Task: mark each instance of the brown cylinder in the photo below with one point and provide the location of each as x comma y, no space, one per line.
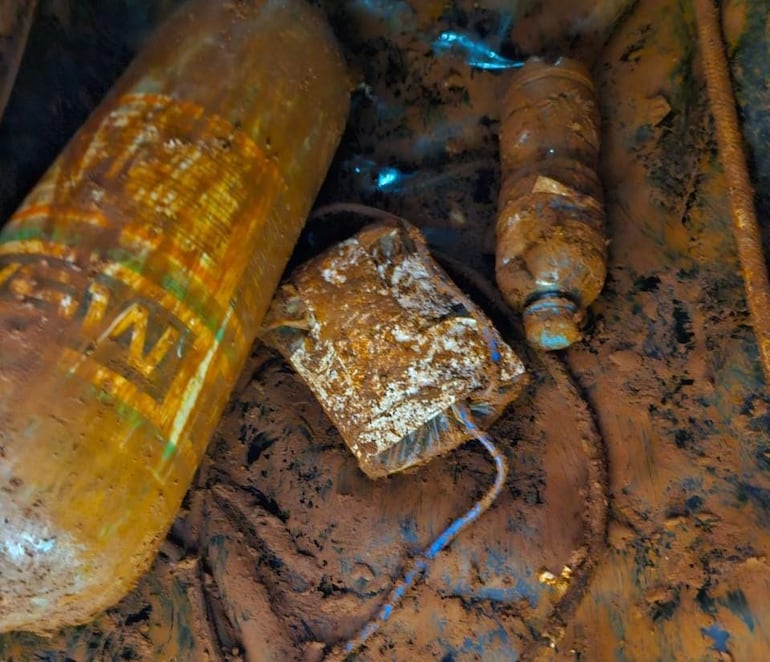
551,249
132,282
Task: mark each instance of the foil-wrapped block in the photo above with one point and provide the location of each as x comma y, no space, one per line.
390,345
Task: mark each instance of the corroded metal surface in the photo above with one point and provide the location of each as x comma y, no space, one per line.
746,228
388,344
132,281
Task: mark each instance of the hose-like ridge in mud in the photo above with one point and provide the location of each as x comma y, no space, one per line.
587,557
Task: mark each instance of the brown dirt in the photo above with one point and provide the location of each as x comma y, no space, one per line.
283,546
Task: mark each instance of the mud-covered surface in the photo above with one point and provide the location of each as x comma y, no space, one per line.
284,547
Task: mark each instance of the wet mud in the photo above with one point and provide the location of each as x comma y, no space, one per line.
284,548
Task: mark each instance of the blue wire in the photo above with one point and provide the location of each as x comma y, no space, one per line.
420,564
477,53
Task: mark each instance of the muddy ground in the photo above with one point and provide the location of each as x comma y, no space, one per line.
283,546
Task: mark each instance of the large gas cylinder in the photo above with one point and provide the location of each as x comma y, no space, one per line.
132,282
551,247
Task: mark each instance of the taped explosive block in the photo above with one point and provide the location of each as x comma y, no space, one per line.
389,344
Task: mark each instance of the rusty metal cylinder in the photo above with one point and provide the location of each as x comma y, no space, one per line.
551,248
132,282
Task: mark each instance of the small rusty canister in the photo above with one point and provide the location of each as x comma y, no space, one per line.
551,249
389,345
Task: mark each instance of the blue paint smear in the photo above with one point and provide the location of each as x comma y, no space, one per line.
408,529
476,53
502,580
719,635
484,640
480,647
694,504
498,561
758,496
736,602
692,483
521,589
491,341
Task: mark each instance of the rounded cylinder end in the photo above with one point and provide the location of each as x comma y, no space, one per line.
50,580
552,323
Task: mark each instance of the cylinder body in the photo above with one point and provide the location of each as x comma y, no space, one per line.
551,249
132,282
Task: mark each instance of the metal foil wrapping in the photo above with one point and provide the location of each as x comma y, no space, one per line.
389,344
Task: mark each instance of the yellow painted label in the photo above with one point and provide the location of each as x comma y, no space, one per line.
138,245
127,345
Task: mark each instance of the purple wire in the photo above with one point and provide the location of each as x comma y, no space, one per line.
420,564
